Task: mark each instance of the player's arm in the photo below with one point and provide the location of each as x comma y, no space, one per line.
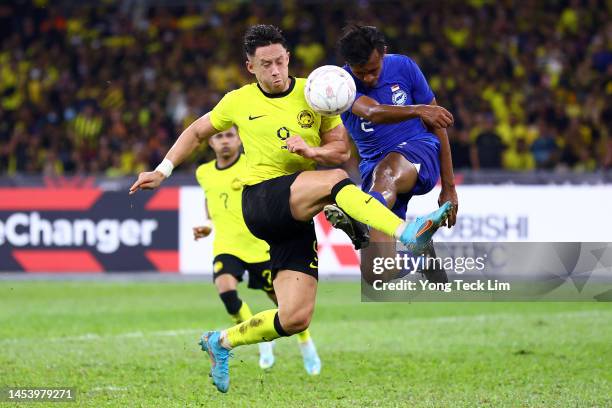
334,148
199,131
447,176
432,115
204,230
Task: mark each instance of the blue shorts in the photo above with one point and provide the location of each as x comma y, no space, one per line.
424,153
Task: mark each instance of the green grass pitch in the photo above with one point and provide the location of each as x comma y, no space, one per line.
134,344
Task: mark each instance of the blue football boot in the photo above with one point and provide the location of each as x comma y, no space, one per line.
219,358
418,233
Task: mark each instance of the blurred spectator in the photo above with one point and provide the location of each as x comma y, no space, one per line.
489,146
544,148
519,158
107,86
462,150
87,128
309,53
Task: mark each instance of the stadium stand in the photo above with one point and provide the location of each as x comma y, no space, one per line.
105,87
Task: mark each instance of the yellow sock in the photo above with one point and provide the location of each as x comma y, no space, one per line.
368,210
243,314
303,336
258,328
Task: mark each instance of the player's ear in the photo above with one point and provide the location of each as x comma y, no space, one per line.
288,55
249,65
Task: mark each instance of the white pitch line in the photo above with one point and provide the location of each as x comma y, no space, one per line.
93,336
413,320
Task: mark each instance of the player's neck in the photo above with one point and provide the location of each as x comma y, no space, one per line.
223,163
287,88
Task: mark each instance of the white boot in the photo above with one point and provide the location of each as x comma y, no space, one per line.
266,355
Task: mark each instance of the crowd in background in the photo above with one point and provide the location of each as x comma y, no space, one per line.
106,87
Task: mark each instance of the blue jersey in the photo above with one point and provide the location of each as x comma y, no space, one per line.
401,82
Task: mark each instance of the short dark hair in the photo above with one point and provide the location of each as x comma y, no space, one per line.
358,42
261,35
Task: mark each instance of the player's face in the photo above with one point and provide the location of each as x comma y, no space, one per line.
225,144
270,65
369,72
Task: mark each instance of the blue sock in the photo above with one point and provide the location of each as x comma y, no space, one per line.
379,197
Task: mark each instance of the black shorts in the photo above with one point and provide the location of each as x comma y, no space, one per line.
260,274
267,214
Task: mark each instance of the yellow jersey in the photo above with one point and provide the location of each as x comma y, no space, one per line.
265,121
223,190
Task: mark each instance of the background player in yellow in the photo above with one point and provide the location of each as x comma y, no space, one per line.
284,140
235,249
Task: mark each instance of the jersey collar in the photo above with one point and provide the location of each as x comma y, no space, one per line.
279,95
229,165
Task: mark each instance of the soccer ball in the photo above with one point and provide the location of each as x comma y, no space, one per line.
329,90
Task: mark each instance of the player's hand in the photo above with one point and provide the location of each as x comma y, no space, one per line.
435,116
147,180
202,231
449,194
297,145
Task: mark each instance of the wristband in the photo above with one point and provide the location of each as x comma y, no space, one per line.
165,168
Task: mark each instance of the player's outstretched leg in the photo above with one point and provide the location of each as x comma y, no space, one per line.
312,362
312,188
364,208
356,231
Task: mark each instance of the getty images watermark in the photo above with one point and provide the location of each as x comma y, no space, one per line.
489,271
411,265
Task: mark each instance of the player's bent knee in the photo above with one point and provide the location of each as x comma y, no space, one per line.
384,178
296,322
337,180
338,175
297,325
225,282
